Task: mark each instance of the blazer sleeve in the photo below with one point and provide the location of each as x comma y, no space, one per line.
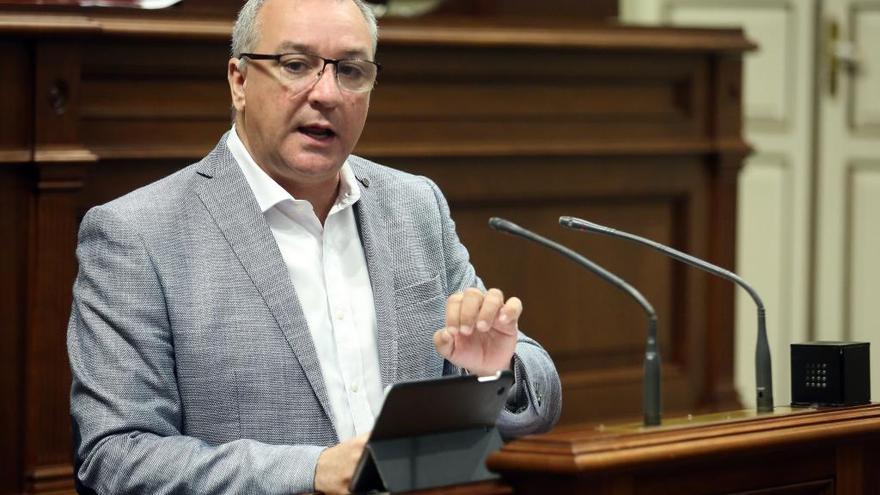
125,407
535,402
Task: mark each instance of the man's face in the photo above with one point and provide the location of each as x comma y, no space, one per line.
301,139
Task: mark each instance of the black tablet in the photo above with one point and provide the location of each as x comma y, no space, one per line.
432,433
448,403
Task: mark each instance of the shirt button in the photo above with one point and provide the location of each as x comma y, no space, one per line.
355,388
340,315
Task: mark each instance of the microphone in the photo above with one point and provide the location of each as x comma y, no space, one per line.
763,371
651,383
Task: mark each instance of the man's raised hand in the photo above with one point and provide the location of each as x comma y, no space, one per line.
481,330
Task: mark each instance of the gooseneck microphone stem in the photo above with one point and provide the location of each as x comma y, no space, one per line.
763,368
651,384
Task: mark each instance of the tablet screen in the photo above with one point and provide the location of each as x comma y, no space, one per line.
442,404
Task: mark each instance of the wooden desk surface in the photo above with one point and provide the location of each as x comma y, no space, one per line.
794,450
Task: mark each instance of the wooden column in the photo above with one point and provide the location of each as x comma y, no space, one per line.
60,164
16,137
724,167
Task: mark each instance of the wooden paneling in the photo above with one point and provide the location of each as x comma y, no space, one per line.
635,128
59,164
507,105
596,10
14,221
595,334
16,128
16,119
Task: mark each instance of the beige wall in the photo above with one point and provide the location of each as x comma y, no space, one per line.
809,201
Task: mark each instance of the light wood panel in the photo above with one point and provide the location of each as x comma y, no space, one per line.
771,69
848,153
775,252
864,106
862,269
766,205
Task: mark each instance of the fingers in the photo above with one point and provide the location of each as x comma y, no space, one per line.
492,303
508,316
471,303
444,342
453,308
472,310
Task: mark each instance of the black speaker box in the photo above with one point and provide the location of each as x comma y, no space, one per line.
830,374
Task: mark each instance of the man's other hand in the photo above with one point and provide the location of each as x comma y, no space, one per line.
336,465
481,330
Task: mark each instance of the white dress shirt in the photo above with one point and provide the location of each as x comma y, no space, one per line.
327,266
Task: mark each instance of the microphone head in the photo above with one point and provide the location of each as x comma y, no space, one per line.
500,224
567,221
581,224
496,223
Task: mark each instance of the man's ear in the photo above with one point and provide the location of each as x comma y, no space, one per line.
235,76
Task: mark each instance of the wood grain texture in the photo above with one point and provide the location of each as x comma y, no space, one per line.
635,128
791,451
15,215
442,32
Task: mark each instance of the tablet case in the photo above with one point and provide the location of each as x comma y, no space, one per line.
433,433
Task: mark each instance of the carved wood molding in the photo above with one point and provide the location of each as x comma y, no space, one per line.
15,156
59,154
51,479
452,33
585,148
635,38
62,168
597,449
735,148
49,24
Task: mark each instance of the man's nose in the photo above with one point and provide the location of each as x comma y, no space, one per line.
326,91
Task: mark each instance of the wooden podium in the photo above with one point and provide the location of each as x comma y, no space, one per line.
793,451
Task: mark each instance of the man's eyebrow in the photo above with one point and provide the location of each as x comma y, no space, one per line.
291,47
361,54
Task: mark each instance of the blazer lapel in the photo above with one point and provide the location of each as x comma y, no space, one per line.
230,201
373,226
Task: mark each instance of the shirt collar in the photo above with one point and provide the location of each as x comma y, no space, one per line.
269,193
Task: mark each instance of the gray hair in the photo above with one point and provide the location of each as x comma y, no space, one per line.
246,35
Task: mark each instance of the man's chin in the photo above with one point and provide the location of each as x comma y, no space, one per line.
314,167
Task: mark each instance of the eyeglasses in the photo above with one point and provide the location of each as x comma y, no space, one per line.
299,70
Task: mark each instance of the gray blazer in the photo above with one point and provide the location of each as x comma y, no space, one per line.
193,367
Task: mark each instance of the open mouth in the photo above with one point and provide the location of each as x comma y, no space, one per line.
317,132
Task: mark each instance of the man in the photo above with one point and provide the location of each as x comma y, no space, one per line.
234,324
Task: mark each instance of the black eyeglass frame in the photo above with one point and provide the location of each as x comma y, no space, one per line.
327,61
